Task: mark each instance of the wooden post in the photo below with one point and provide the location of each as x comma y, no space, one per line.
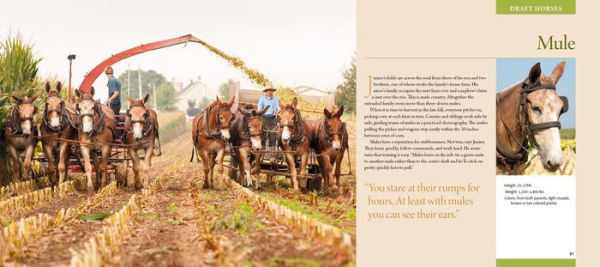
154,95
139,82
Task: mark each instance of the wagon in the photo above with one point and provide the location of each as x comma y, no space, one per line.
272,163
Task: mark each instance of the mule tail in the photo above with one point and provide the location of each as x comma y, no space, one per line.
192,157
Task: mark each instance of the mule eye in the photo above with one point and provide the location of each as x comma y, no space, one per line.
537,109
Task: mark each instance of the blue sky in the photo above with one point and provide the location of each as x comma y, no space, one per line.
512,70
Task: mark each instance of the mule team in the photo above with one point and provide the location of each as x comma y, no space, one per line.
92,126
220,126
88,124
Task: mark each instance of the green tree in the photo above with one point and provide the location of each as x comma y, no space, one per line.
149,78
346,91
165,97
18,76
224,88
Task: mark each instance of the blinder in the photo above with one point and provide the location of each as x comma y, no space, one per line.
525,90
565,106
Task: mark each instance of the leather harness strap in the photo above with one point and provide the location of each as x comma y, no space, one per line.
529,128
297,136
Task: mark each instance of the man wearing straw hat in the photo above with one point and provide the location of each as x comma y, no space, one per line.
269,119
114,91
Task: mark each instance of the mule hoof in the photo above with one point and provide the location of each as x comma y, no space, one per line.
205,186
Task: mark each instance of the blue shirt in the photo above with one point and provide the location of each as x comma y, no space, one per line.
272,102
114,86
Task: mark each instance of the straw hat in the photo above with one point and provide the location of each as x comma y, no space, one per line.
268,87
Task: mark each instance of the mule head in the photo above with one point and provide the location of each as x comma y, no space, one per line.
224,116
544,105
26,110
288,119
333,126
54,105
137,114
87,108
254,125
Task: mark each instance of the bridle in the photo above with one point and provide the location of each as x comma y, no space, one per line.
215,134
15,117
146,121
246,129
297,136
526,125
62,117
98,126
328,135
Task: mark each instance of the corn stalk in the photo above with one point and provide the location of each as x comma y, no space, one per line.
15,236
22,203
106,243
307,226
20,188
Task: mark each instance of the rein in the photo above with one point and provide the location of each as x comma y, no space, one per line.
526,125
297,136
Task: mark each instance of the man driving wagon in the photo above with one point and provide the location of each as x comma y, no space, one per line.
269,117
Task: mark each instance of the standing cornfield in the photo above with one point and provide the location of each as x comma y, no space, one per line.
19,77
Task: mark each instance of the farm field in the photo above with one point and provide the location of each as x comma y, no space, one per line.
173,222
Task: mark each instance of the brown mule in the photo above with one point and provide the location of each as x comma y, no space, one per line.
58,122
330,141
141,132
21,135
96,125
246,133
294,139
210,134
529,112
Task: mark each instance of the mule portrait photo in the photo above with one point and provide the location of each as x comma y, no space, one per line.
535,117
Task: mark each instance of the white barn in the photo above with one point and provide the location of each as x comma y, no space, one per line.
195,90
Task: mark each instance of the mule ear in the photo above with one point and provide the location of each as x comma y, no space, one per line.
58,86
340,111
146,97
294,102
17,99
535,73
218,100
129,99
327,113
34,97
48,87
77,93
260,113
92,91
558,71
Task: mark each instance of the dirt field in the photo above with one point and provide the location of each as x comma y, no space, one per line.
181,225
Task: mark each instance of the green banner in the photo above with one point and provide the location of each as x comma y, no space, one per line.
535,262
535,7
